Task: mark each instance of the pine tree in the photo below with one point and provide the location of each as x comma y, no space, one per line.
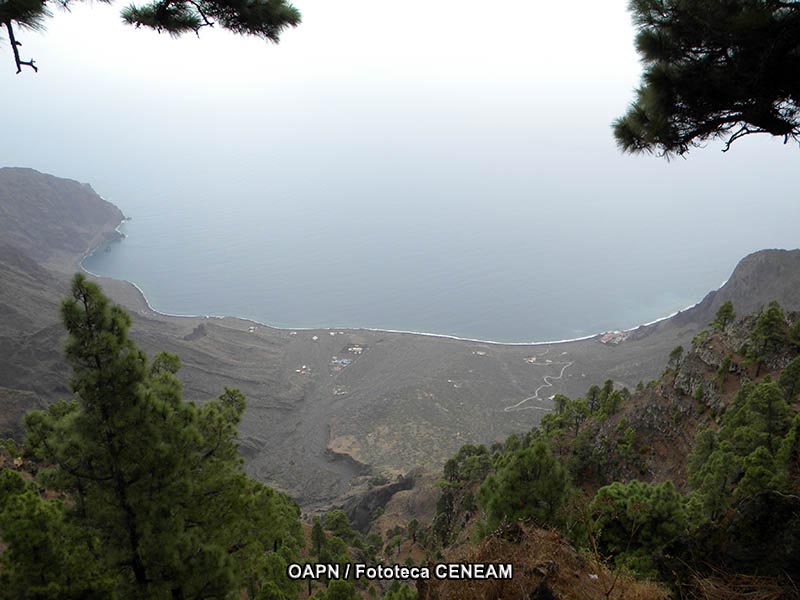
608,387
400,592
713,69
156,482
725,316
789,380
412,528
714,479
532,483
636,519
794,334
769,413
577,412
768,334
338,524
318,538
749,454
593,397
340,590
613,401
760,470
560,402
46,557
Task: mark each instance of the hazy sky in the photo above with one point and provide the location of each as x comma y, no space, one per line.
516,97
351,63
500,86
363,42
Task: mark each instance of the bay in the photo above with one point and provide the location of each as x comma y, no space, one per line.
510,250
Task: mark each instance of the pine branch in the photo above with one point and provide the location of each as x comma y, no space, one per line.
206,21
743,131
15,45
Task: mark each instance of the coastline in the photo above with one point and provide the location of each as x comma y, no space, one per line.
149,306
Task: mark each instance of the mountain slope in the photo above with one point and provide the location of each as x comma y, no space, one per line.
759,278
52,220
311,427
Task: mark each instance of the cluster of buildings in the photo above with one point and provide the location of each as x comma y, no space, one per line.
614,337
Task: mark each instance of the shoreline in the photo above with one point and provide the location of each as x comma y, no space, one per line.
446,336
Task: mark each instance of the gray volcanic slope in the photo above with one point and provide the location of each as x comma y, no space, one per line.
50,219
315,427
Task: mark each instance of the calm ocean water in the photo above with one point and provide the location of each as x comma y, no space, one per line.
529,252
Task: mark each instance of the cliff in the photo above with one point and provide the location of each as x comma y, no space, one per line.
50,219
759,278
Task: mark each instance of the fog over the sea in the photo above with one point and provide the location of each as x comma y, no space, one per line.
433,166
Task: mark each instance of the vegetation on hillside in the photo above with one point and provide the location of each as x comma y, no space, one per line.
609,472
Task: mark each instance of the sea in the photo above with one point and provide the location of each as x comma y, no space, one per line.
532,254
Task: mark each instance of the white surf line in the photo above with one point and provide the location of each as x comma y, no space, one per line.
152,309
547,383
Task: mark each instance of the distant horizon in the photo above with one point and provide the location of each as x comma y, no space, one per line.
102,246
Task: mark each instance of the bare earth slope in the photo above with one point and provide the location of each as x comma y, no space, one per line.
50,219
314,426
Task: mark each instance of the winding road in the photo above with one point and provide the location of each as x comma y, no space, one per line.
548,379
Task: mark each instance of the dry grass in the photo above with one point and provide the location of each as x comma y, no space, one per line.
726,586
545,566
